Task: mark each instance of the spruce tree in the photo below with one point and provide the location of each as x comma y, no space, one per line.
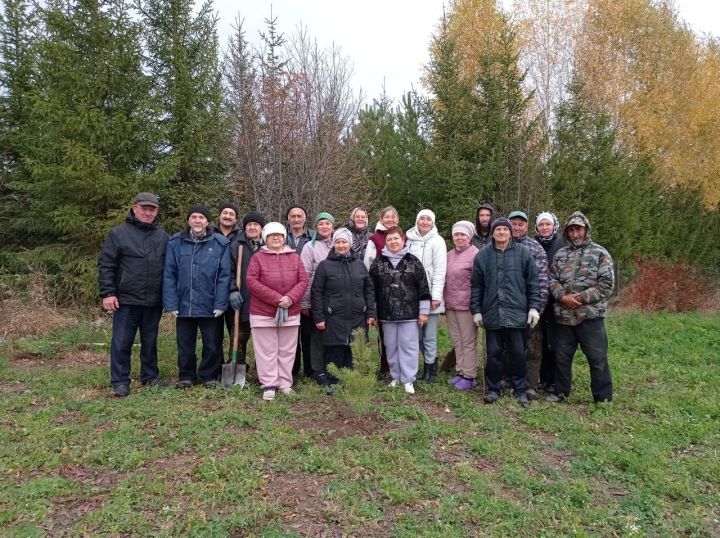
18,60
84,138
590,172
182,49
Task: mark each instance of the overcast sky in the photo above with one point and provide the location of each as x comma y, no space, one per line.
386,40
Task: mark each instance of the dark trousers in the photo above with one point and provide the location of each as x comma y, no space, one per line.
340,356
243,336
547,366
303,352
126,322
384,366
186,334
592,338
512,340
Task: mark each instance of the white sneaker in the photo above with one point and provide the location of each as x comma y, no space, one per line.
288,391
409,388
393,383
269,395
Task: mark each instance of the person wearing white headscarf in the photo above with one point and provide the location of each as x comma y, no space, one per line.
425,243
547,227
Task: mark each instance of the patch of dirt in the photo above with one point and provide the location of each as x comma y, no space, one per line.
457,454
331,420
305,511
104,479
13,387
178,468
548,454
435,411
72,360
66,511
70,417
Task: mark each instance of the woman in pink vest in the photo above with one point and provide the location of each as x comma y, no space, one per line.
461,327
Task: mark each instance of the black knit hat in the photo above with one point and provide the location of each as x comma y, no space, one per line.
254,216
198,208
229,205
502,221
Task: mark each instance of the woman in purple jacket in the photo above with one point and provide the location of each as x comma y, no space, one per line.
461,327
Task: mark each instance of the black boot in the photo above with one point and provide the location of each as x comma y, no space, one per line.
429,372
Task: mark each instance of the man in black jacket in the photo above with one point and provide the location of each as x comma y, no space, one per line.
130,275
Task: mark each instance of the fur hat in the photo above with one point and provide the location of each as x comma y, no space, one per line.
254,216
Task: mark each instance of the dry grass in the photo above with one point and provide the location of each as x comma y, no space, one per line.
663,287
21,315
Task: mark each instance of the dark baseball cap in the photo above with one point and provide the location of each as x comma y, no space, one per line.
147,198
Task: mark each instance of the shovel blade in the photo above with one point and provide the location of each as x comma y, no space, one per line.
229,372
240,375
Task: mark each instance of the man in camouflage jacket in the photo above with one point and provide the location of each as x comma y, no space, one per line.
581,281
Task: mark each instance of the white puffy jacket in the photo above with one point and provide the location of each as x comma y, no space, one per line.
430,249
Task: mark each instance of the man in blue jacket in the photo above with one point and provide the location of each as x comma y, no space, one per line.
505,299
130,275
195,291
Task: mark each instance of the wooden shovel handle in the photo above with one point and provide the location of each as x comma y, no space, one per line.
236,324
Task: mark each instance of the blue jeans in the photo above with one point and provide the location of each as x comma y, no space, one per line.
514,341
126,322
428,338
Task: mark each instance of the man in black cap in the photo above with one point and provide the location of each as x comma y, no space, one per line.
130,275
250,239
195,291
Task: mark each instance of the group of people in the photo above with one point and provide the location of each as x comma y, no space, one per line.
302,294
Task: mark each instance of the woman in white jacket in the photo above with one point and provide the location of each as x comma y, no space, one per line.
425,243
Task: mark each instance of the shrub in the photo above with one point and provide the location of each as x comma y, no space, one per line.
669,287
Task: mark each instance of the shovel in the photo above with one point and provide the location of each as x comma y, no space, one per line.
232,372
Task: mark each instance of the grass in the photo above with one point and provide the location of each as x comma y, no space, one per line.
440,463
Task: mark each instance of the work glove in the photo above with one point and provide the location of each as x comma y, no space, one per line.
477,319
533,318
175,312
217,312
236,300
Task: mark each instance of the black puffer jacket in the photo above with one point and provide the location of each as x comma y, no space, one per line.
399,290
241,240
342,296
131,263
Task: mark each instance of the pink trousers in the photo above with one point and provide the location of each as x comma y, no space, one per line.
274,355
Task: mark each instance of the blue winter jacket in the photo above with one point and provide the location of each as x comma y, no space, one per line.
197,275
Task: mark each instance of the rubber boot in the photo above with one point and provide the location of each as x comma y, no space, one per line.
429,372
